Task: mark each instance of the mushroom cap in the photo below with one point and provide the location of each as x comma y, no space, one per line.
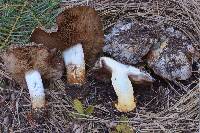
171,56
20,59
80,24
128,41
49,39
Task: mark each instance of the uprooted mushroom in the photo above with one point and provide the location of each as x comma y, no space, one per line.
28,65
80,38
122,75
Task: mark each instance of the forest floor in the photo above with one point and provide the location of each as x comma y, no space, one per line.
164,106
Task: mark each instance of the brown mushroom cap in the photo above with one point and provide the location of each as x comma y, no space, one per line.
79,24
171,56
20,59
50,40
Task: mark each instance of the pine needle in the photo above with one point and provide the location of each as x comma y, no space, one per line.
18,18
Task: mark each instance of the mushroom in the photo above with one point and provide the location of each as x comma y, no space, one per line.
28,65
121,76
128,41
77,26
171,57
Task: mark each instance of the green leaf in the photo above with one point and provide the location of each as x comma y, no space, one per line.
89,110
78,106
123,127
119,128
124,118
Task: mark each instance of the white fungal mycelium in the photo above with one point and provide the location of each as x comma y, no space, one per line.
75,64
121,83
36,88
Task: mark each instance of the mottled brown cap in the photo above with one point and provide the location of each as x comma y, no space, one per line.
128,41
80,24
171,57
20,59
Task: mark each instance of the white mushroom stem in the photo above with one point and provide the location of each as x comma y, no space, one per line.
121,83
75,64
36,88
124,90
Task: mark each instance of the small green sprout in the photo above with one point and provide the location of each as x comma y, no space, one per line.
123,127
78,106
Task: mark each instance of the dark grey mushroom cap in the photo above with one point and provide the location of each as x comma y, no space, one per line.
128,41
171,56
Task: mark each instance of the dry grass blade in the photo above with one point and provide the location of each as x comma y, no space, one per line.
4,74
